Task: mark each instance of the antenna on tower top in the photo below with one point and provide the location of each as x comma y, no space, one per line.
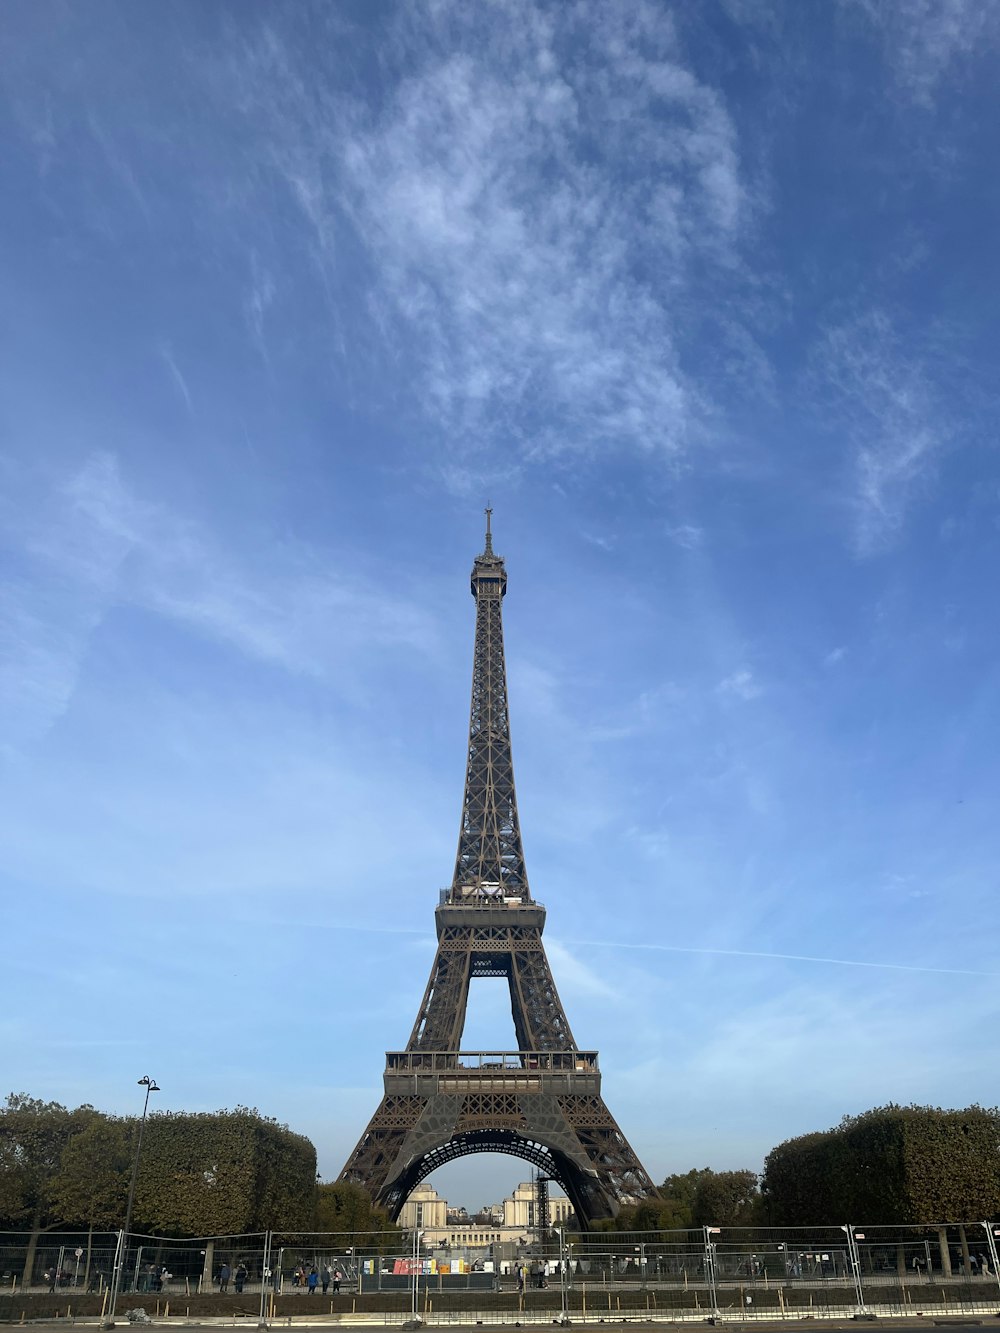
489,535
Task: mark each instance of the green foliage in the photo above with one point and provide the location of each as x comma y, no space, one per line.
231,1172
347,1208
799,1181
727,1199
951,1163
697,1198
91,1185
33,1137
703,1197
234,1171
893,1164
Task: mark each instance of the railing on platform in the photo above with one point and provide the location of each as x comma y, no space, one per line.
490,1062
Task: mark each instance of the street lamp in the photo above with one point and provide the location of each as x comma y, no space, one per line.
122,1252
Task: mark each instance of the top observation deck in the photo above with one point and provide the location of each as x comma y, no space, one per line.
486,905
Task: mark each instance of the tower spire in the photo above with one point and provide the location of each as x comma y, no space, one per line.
489,534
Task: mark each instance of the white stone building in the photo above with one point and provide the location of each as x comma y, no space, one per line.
514,1221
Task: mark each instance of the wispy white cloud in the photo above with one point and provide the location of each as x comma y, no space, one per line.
884,392
926,40
687,535
258,301
119,164
540,284
574,976
94,544
740,685
180,383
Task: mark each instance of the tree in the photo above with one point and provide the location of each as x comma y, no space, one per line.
347,1208
33,1137
679,1193
91,1185
696,1198
727,1199
704,1197
800,1181
224,1174
894,1164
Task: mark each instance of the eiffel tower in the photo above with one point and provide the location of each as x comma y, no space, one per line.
543,1101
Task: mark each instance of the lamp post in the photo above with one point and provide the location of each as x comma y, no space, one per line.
121,1256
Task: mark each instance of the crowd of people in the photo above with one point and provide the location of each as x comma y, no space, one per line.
536,1273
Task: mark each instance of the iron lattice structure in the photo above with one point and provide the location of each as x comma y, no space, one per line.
542,1102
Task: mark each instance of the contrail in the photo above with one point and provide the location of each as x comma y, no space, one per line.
679,948
786,957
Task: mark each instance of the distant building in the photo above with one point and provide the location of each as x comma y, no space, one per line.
514,1221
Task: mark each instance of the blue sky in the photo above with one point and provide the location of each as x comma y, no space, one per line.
703,299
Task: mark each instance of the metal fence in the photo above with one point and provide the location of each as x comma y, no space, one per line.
711,1272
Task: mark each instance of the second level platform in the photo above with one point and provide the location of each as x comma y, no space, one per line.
426,1073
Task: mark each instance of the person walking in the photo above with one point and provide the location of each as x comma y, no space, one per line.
337,1275
326,1277
240,1277
312,1281
224,1276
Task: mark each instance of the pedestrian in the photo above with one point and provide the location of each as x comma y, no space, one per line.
240,1276
326,1277
50,1278
519,1273
224,1274
337,1275
312,1282
165,1276
984,1265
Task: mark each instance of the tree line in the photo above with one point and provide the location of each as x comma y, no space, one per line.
235,1172
202,1174
895,1165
